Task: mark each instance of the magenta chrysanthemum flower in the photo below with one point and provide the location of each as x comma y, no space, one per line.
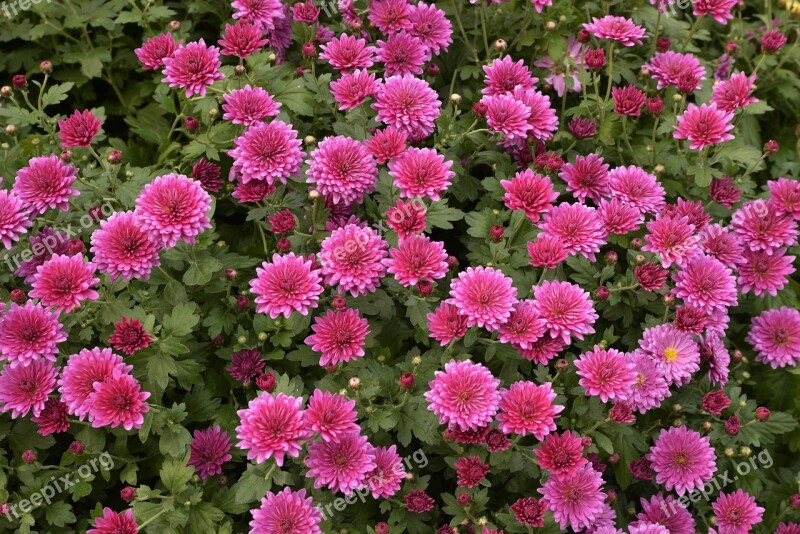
542,350
673,239
765,273
64,281
331,415
736,512
578,226
266,14
675,353
408,104
619,29
417,258
79,129
384,481
705,282
153,51
351,257
720,10
670,69
117,401
421,172
618,217
606,373
547,251
246,365
47,242
523,327
241,39
628,100
114,523
407,218
249,105
193,67
25,389
446,324
347,53
566,308
29,332
682,459
470,470
431,26
464,395
390,16
761,228
342,169
666,511
272,426
338,336
561,454
210,449
713,351
775,335
402,53
352,90
123,248
268,152
54,418
704,126
717,241
253,191
484,295
286,512
692,209
288,284
575,500
504,75
340,465
129,336
45,183
734,93
649,387
785,197
529,192
207,174
634,186
508,116
173,208
387,144
82,371
543,120
526,408
587,178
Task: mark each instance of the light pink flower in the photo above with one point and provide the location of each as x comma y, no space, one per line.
286,512
14,219
268,152
408,104
339,336
526,408
342,169
484,295
272,426
173,208
193,67
248,105
464,395
566,308
605,373
351,258
64,281
117,401
45,183
704,126
620,29
578,226
123,248
25,389
288,284
682,459
340,465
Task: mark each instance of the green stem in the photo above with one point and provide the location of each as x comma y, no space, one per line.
159,514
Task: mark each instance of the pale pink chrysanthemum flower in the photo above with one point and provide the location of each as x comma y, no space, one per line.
675,353
123,248
64,281
431,26
390,16
649,386
209,449
266,14
248,105
637,187
193,67
387,144
331,415
785,197
504,75
719,242
272,426
736,512
547,251
288,284
267,152
464,395
543,118
252,191
704,126
641,527
682,459
764,273
242,39
705,282
401,53
338,336
286,512
353,89
605,373
575,500
79,129
384,481
523,327
542,350
82,371
714,352
620,29
734,93
673,239
118,401
619,217
340,465
45,183
527,408
484,295
720,10
775,335
508,116
421,172
561,454
25,389
417,258
587,178
669,68
14,219
569,64
446,324
342,169
530,192
408,104
29,332
566,308
578,226
761,228
153,51
173,208
351,258
347,53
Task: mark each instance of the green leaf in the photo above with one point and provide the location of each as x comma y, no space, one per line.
59,514
57,93
175,475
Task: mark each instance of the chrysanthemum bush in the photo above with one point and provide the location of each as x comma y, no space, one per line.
262,254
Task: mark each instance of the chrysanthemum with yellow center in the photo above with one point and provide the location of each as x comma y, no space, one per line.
671,354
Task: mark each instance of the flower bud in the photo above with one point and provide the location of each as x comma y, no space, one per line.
561,365
611,257
175,25
127,493
455,99
29,456
354,383
77,448
586,442
500,45
729,452
17,296
496,233
464,499
794,501
745,451
309,50
731,48
6,91
212,113
584,35
762,413
639,259
239,70
614,459
19,81
263,336
407,380
550,25
114,157
668,299
771,147
76,246
425,287
663,44
231,274
601,293
191,124
432,69
284,245
242,302
11,129
416,361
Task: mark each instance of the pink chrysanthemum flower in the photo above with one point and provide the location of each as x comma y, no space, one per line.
606,373
288,284
45,183
649,387
272,426
675,353
266,14
705,282
526,408
717,241
347,53
82,371
446,324
113,522
342,169
673,239
713,351
619,29
123,248
575,500
54,418
421,172
129,336
628,100
464,395
666,511
331,415
193,67
734,93
210,449
470,470
207,174
529,192
248,105
634,186
351,258
566,308
417,258
670,68
587,178
542,350
704,126
384,481
524,326
775,335
153,51
682,459
390,16
401,54
578,226
785,197
117,401
253,191
339,336
25,389
508,116
173,208
406,218
353,89
340,465
720,10
408,104
484,295
14,219
765,273
431,26
64,281
542,119
79,129
618,217
504,75
761,228
547,251
241,39
561,454
568,65
268,152
692,209
387,144
286,512
736,512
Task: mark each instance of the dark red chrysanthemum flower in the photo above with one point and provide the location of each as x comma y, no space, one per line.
417,501
129,336
529,511
470,470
